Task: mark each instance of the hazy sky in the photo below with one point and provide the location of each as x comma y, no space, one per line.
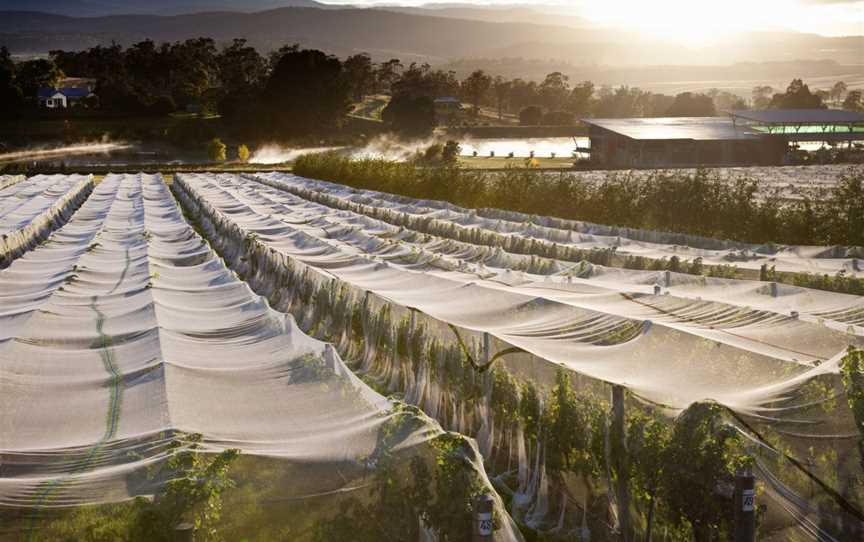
697,19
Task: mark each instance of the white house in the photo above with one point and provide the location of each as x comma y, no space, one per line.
56,98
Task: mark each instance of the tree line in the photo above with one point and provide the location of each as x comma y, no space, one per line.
294,92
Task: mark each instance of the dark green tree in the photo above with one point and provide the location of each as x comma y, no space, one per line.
502,89
387,74
421,80
852,370
689,104
361,75
581,99
554,91
240,67
762,96
307,94
475,88
450,152
410,116
194,71
854,101
797,96
32,75
11,98
523,94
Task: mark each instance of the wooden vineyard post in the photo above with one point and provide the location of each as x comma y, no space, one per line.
484,521
184,532
745,506
487,349
619,461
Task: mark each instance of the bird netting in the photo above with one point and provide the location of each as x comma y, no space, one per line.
32,209
124,332
768,353
9,180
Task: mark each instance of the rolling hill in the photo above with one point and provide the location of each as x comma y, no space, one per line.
409,36
98,8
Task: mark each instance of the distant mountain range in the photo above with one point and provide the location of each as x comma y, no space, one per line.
436,35
97,8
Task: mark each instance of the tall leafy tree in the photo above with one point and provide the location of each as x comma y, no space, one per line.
360,72
240,67
502,89
32,75
838,91
306,94
11,98
475,87
421,80
689,104
554,91
581,99
387,74
523,94
854,101
797,96
410,116
762,96
194,70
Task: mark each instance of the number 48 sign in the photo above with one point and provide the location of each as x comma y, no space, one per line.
748,500
485,524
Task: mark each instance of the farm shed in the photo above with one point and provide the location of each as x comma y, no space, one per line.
678,141
742,138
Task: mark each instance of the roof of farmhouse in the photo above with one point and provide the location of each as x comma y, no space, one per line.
800,116
692,128
69,92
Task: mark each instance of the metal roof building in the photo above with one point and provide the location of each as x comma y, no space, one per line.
742,138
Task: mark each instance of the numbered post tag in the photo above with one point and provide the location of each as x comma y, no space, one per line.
485,524
748,500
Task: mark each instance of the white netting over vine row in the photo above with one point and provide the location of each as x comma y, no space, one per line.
586,236
124,329
31,209
675,348
9,180
769,352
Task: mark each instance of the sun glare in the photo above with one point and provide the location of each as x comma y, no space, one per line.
690,22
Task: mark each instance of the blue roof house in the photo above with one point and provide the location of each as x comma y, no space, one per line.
55,98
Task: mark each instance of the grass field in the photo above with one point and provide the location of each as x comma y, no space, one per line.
501,162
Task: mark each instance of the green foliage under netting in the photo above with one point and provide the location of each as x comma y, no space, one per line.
193,490
569,422
712,207
852,369
394,491
699,203
442,497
